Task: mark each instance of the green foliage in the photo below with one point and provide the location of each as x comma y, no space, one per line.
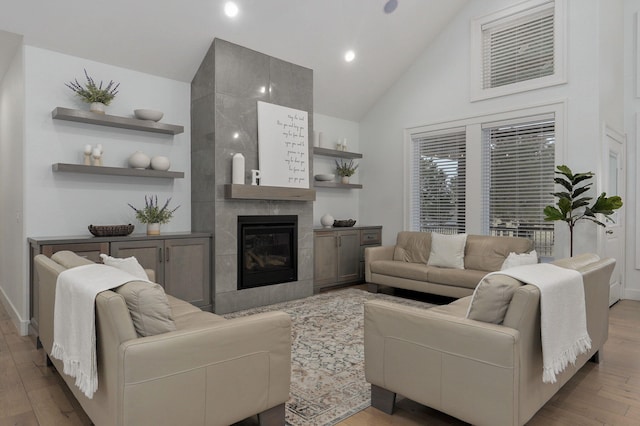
152,213
572,206
91,92
344,168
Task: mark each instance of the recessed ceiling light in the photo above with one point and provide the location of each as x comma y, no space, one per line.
349,56
231,9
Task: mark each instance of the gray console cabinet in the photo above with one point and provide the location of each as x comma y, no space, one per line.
339,254
181,262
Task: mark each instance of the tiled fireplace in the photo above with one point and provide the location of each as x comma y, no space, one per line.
224,121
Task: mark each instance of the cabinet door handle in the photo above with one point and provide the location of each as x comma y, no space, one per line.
340,241
160,254
166,254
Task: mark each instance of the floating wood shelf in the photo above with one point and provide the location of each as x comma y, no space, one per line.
115,171
89,117
258,192
335,153
323,184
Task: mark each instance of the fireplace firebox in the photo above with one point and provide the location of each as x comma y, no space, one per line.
267,250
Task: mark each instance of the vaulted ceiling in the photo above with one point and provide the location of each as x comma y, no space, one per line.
169,38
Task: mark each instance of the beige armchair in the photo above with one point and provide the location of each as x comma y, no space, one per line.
210,371
482,373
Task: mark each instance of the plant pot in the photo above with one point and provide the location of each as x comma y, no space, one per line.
97,107
153,229
344,179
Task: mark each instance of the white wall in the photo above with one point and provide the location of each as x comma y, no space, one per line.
66,203
13,253
436,89
340,203
631,111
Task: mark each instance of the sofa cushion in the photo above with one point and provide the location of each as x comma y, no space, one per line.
148,306
487,253
197,320
457,308
129,264
411,271
466,278
447,251
519,259
492,297
69,259
412,247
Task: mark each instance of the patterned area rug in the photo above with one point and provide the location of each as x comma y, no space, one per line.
327,374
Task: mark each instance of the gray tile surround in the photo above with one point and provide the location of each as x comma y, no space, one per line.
224,95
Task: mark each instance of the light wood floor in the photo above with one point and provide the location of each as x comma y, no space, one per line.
599,394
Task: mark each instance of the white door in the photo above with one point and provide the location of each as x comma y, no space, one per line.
613,183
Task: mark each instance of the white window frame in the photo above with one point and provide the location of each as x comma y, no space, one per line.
474,222
516,12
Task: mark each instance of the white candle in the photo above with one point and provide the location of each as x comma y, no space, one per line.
237,169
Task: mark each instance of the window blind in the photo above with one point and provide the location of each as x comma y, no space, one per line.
518,168
438,181
519,48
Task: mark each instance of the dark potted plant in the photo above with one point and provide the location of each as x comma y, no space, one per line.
94,94
573,207
153,215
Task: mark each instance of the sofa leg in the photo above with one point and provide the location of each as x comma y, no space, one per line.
372,288
382,399
48,361
595,358
272,417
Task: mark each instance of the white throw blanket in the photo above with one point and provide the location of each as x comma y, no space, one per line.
74,326
563,317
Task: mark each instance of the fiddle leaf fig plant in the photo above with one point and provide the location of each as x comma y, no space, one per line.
572,206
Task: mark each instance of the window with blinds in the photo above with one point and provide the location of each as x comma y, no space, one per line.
518,168
438,181
518,48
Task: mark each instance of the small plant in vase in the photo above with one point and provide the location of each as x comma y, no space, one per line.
345,169
153,215
94,94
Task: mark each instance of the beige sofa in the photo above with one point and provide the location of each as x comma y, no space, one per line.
482,373
210,371
404,265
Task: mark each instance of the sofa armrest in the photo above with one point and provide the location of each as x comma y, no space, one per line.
229,370
376,253
466,368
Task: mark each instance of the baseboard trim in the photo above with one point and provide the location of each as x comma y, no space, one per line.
631,294
21,325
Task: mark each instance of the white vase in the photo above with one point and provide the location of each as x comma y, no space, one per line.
97,107
344,179
326,220
237,169
139,160
160,163
153,229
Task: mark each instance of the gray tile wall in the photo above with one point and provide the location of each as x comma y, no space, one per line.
224,95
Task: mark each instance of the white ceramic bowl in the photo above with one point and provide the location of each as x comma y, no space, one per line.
325,177
148,114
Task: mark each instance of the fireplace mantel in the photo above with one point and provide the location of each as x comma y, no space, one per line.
258,192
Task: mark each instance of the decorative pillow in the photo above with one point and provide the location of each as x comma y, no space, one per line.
519,259
148,306
447,251
130,265
492,297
